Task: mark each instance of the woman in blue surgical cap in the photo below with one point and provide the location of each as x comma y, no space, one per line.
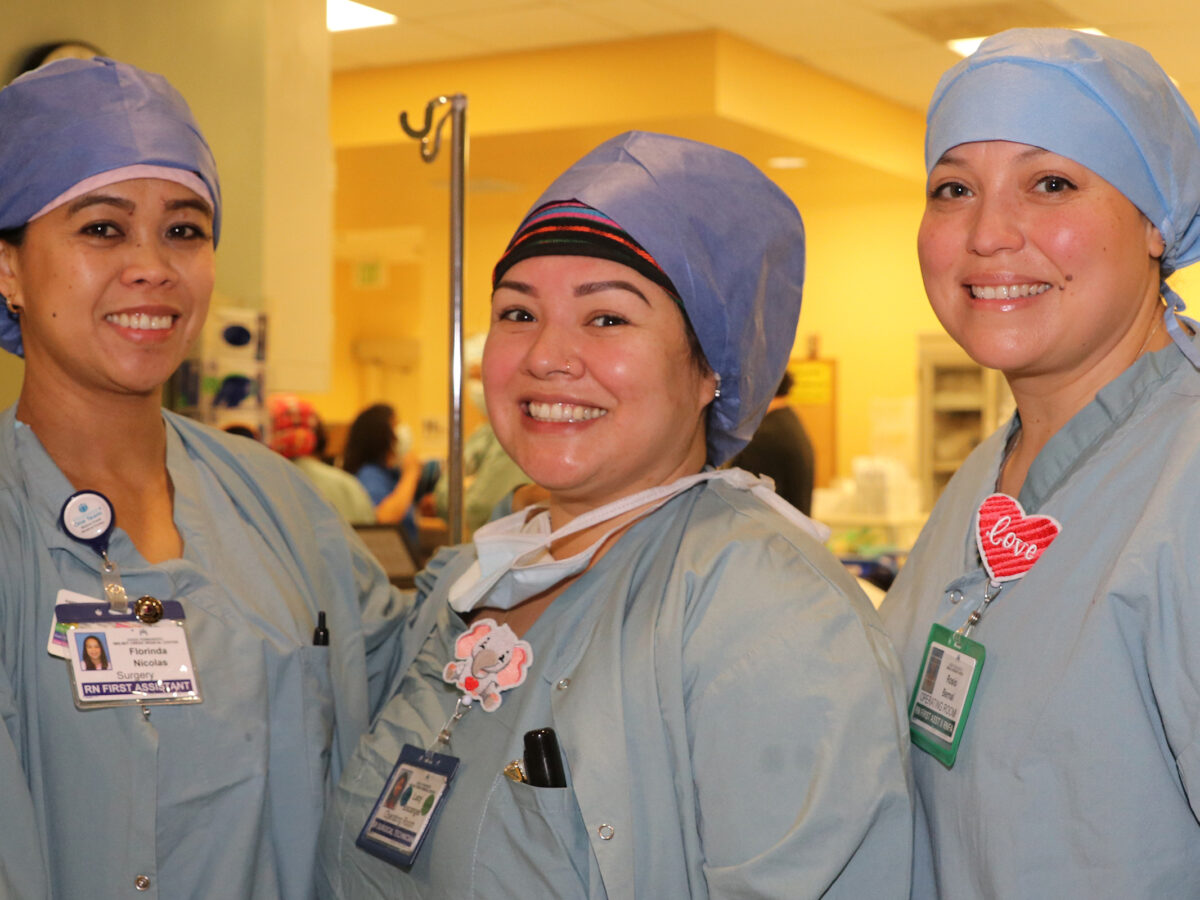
1047,617
110,210
726,708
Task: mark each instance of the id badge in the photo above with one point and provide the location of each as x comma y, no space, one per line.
411,797
945,689
117,659
57,644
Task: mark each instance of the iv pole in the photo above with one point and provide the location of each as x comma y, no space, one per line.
431,142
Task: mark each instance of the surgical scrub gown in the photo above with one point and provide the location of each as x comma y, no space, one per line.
1079,769
221,799
729,711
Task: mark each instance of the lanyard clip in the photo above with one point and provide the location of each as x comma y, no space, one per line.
989,594
114,591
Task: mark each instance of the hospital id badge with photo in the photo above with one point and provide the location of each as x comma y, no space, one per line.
944,691
411,797
121,659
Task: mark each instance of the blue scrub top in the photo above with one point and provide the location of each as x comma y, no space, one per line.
730,714
218,799
1078,774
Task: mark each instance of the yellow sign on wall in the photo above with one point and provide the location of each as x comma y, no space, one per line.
812,382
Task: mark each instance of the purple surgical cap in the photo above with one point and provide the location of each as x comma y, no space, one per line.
1104,103
72,119
731,242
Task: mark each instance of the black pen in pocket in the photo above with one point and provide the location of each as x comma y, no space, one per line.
543,759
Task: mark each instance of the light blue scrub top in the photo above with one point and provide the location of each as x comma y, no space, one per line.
218,799
1079,770
729,711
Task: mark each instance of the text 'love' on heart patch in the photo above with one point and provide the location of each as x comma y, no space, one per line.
1010,542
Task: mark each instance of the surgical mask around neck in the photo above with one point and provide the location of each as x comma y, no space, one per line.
514,562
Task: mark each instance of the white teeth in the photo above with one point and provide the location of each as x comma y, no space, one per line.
564,412
140,321
1007,291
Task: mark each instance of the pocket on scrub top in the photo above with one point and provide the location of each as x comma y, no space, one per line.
302,699
538,832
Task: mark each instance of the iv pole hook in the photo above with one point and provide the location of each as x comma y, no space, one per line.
428,153
457,114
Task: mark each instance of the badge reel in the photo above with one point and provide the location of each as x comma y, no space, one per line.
1009,543
489,659
117,655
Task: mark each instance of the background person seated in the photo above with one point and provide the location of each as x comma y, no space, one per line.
298,435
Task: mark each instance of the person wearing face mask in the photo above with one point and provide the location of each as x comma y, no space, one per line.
1048,616
231,607
726,710
391,474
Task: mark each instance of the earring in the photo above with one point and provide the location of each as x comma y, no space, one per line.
13,309
717,389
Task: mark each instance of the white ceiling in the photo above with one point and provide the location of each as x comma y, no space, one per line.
890,47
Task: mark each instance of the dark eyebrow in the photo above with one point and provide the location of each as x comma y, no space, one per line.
950,159
595,287
88,200
99,199
519,286
195,203
582,290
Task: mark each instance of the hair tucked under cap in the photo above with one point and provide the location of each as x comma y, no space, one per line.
1104,103
730,242
74,119
571,228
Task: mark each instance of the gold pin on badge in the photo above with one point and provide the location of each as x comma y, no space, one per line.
148,609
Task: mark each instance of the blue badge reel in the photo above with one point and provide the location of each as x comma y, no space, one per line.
118,656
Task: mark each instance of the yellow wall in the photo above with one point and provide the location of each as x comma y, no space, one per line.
533,114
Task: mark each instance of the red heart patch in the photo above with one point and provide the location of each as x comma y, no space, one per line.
1010,542
471,683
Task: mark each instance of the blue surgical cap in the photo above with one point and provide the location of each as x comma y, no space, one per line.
1104,103
731,242
73,119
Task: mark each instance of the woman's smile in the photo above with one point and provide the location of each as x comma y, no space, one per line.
570,413
590,384
114,286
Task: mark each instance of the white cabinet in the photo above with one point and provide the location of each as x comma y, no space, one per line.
959,404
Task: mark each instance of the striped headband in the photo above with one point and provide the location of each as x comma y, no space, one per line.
571,228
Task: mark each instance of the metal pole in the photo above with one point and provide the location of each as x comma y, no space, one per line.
458,166
431,139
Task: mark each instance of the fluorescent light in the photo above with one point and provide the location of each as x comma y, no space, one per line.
967,46
787,162
346,15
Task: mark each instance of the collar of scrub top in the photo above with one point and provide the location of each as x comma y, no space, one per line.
74,119
1104,103
730,241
